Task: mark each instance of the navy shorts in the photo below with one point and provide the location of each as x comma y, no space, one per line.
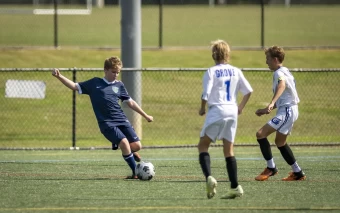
117,133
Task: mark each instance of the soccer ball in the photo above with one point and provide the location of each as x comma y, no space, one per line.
145,171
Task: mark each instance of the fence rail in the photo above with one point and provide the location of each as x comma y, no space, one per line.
162,69
59,118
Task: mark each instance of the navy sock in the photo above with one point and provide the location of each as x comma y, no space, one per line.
114,146
265,148
232,171
287,154
131,162
204,159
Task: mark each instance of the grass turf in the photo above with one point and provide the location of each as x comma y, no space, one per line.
92,181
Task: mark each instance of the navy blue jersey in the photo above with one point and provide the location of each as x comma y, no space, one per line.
105,98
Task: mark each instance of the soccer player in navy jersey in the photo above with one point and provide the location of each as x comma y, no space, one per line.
105,94
221,85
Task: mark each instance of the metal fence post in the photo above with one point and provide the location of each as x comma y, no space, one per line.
55,23
74,78
160,25
131,57
262,24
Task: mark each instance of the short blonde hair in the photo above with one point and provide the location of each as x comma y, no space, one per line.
220,50
113,63
276,52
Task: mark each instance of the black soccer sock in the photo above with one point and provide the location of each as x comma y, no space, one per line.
265,148
232,171
131,162
204,159
287,154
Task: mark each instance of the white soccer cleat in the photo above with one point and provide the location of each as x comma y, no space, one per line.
233,193
211,187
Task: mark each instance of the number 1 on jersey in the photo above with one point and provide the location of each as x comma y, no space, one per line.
227,84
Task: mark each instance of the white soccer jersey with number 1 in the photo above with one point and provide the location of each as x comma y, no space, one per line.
289,97
222,82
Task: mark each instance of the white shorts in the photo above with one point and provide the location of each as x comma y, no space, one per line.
221,122
284,119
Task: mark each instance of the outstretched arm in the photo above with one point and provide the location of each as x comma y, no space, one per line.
67,82
133,105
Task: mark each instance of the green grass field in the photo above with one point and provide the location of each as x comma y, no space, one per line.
92,181
189,25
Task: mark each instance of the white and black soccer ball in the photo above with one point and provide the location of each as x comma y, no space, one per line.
145,171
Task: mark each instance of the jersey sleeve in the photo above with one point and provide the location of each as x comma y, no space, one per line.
245,86
124,95
279,76
85,87
207,84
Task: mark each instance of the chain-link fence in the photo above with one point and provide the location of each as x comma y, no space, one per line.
38,111
175,23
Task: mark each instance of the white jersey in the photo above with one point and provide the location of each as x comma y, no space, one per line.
222,82
289,96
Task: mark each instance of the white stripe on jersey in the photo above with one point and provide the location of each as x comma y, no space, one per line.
79,89
222,82
289,96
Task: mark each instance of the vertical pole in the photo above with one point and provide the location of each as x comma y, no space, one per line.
262,24
74,78
100,3
160,25
89,5
131,57
35,3
55,23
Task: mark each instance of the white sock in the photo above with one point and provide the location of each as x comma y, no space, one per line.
296,167
270,163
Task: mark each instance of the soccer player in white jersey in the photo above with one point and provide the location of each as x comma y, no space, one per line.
286,100
105,94
221,84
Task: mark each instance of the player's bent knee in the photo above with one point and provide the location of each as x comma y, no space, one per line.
259,135
136,146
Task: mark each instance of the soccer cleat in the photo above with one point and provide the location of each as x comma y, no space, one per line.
293,176
267,172
131,177
137,157
211,187
233,193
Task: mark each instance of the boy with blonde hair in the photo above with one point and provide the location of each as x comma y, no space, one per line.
221,84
